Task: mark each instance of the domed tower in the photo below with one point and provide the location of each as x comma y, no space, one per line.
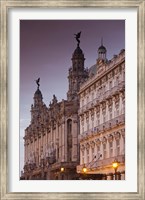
102,52
38,106
38,97
77,73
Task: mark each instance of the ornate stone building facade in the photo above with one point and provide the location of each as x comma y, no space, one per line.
87,129
51,139
102,117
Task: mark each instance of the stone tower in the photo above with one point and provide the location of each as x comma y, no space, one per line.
77,73
102,52
38,108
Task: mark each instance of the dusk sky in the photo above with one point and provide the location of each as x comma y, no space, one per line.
46,48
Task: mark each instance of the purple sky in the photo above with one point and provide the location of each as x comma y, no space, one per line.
46,48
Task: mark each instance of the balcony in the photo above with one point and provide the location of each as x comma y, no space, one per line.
103,127
103,97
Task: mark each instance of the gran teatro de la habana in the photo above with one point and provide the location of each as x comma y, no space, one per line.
82,137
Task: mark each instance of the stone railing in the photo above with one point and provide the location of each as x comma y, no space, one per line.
103,127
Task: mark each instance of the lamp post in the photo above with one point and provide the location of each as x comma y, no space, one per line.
62,172
85,168
115,165
62,169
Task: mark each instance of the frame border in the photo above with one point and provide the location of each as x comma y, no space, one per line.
5,5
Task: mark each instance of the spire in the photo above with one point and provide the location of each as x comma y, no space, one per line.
77,72
102,41
102,52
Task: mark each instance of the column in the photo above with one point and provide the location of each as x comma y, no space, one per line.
85,155
122,175
101,115
113,108
122,147
120,105
110,176
114,147
107,149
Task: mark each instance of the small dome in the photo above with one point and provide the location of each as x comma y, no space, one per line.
38,93
102,49
78,51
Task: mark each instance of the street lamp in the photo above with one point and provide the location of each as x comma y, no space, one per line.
62,169
84,169
115,165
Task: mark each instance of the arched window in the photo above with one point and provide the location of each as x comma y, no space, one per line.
69,139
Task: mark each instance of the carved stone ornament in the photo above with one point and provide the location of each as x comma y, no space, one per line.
82,147
87,145
98,109
123,132
117,135
104,140
92,144
116,70
98,142
110,137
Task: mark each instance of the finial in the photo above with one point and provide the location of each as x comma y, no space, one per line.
77,36
102,41
37,82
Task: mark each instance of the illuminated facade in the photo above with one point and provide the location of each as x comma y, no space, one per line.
102,117
86,130
51,139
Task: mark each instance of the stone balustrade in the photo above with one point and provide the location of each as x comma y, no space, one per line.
103,127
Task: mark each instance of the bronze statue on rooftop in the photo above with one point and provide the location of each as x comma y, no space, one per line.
38,82
77,36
